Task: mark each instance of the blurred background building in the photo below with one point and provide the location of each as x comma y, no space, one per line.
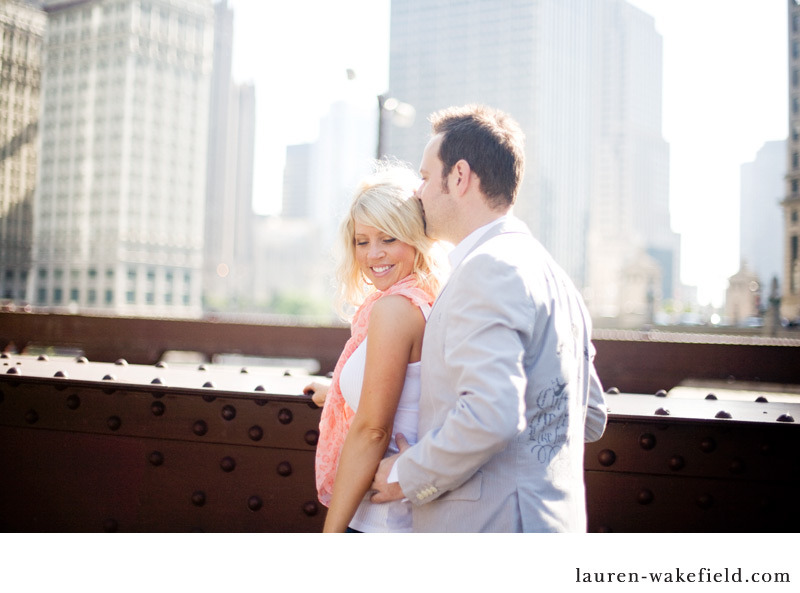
790,302
228,252
22,29
760,229
118,222
583,79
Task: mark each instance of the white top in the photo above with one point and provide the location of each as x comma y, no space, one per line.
392,516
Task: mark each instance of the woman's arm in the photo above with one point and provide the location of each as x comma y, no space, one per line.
395,332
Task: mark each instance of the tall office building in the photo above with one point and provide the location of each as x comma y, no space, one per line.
245,94
229,175
21,34
118,223
583,79
790,302
761,215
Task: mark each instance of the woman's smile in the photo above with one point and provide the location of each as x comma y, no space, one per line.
384,260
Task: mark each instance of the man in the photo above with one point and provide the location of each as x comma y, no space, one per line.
509,390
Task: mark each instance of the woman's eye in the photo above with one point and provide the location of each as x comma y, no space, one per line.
361,243
392,240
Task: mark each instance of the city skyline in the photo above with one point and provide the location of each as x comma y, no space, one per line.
722,100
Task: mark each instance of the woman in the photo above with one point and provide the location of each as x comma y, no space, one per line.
389,271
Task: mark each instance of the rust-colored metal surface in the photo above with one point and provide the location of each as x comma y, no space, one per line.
645,362
684,465
632,361
117,447
121,447
144,341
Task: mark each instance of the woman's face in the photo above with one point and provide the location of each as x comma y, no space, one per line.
383,259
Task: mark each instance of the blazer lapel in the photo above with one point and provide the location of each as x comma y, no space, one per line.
510,225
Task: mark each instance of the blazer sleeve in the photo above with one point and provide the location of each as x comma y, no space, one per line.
489,318
596,410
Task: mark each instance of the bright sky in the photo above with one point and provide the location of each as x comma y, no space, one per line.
725,85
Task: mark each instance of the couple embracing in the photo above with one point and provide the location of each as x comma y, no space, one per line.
457,406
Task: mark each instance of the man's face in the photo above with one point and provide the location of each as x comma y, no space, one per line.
437,202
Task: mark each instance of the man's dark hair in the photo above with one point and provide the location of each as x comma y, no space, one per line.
490,141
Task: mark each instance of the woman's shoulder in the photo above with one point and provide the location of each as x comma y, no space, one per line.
396,304
395,320
397,313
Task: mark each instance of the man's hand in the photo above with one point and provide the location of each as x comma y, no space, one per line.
384,491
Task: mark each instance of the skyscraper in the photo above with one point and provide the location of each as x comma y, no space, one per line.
583,79
21,35
118,224
229,174
761,215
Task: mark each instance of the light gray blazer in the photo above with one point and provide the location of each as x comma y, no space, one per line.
509,394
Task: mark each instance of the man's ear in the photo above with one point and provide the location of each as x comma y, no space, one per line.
462,176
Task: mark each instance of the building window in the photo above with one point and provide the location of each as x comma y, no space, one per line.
109,297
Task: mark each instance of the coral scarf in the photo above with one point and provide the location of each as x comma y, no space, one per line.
336,414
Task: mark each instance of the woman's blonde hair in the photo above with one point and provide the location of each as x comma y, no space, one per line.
385,200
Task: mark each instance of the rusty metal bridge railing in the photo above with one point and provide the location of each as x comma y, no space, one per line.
98,442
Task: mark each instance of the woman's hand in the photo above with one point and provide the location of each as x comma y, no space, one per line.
317,391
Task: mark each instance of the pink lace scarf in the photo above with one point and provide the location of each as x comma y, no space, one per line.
336,414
